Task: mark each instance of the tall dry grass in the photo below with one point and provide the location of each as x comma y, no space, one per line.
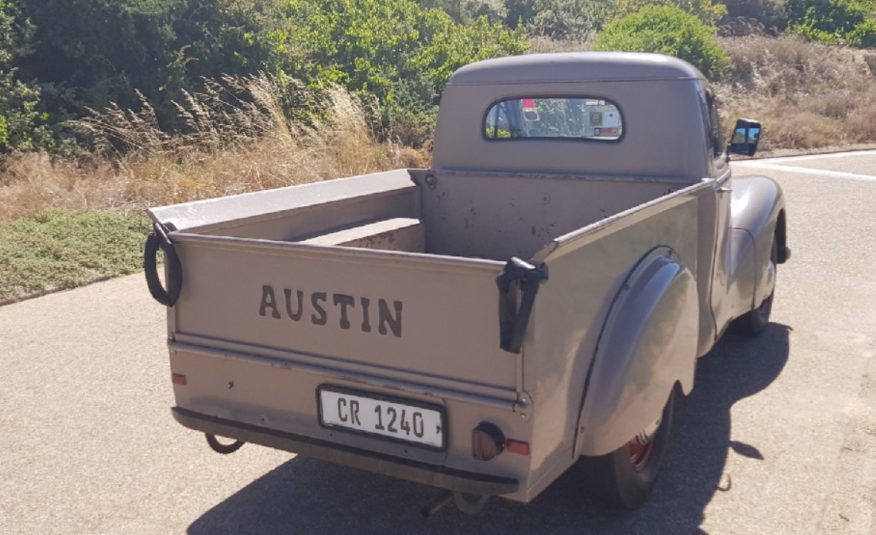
807,94
236,139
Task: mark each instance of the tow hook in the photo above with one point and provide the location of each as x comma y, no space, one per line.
468,504
219,447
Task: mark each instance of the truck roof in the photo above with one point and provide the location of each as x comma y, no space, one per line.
575,67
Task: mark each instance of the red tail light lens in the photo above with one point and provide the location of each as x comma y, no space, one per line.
179,379
517,446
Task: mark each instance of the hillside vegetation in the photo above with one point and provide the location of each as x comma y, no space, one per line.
122,104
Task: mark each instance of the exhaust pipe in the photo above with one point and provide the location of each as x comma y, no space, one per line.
219,447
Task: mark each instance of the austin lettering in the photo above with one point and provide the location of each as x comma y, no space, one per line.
323,309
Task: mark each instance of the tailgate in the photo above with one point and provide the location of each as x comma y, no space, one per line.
387,314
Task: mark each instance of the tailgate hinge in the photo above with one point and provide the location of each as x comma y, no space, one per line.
514,319
523,406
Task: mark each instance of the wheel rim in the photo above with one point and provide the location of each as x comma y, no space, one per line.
641,448
640,454
765,309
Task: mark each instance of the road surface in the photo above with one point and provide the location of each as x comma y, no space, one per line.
779,435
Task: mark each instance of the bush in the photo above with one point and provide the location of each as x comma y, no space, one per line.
466,11
811,94
666,30
832,21
106,50
89,53
707,11
745,17
21,123
863,35
577,20
20,120
395,51
766,11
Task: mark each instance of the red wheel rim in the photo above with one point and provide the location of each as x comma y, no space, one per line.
640,454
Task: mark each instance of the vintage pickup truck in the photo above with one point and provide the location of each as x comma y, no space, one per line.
539,296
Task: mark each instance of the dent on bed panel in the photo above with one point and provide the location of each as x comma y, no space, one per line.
501,216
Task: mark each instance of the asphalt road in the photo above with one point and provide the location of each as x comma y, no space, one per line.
779,435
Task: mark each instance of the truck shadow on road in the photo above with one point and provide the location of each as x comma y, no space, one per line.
304,495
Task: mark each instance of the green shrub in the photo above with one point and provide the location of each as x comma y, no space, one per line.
863,35
106,50
832,21
394,50
89,53
768,12
707,11
666,30
577,20
23,125
57,249
465,11
20,120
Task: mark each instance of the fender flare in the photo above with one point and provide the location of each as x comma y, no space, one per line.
647,345
758,208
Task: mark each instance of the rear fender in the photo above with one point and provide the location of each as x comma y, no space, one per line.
648,344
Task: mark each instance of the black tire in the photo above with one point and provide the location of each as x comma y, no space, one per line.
755,321
624,478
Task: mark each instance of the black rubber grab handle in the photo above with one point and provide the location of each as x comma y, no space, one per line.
159,240
514,319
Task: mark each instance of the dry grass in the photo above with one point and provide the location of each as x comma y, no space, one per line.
237,140
808,95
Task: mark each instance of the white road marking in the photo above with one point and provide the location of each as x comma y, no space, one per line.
806,170
815,157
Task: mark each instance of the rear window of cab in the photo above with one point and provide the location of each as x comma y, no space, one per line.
553,118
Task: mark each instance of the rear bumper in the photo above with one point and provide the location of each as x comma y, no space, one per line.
427,474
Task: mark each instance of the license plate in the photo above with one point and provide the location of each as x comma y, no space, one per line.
395,419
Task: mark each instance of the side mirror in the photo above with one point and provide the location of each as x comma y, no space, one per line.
745,137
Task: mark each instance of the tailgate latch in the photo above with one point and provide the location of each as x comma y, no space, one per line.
514,319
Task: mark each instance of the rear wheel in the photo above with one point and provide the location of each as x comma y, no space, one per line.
624,478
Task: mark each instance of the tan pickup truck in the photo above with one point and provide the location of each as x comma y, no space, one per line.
539,296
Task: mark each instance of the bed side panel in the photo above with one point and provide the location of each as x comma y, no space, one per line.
259,210
587,270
